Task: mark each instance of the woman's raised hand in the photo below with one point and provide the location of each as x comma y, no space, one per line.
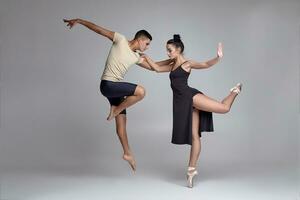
220,50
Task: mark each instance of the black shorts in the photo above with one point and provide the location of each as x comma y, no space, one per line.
116,92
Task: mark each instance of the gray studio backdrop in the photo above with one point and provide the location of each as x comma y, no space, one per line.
53,116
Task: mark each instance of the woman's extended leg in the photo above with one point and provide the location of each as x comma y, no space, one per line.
202,102
122,134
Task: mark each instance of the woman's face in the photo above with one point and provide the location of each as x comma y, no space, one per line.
172,51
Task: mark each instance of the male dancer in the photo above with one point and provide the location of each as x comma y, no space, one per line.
121,95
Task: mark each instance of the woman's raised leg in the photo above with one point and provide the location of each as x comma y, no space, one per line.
203,102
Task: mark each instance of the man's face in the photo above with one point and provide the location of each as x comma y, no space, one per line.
144,43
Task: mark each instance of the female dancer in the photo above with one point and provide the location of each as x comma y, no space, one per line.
192,110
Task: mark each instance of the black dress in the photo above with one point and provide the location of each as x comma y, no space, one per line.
183,109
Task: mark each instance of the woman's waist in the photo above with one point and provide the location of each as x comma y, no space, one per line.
179,85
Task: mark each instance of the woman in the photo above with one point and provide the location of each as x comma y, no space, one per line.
192,110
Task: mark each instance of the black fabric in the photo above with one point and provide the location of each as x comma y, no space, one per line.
183,109
116,92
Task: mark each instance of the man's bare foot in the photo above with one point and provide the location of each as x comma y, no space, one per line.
130,160
112,113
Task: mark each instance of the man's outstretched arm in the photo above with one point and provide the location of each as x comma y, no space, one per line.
98,29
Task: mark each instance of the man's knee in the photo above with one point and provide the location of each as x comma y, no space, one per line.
140,91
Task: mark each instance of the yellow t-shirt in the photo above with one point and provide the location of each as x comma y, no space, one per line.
119,59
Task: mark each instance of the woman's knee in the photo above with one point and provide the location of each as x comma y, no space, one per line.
225,109
196,137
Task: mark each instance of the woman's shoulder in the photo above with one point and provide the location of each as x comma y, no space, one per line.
186,65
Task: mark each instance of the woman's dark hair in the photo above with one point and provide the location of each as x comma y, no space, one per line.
176,41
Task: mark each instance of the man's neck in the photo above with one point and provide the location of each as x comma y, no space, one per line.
133,44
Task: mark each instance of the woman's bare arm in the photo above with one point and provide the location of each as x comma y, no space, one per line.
164,62
145,64
209,63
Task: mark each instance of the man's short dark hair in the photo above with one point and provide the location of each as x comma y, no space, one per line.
142,33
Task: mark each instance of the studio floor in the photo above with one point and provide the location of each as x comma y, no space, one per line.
264,182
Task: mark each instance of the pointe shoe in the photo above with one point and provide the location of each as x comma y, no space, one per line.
237,89
191,173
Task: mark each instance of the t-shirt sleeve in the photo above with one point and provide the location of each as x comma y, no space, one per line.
118,37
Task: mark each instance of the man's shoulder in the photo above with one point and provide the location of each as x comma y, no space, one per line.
118,37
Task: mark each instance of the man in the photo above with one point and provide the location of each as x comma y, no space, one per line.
121,95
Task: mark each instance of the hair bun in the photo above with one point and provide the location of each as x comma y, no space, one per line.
176,38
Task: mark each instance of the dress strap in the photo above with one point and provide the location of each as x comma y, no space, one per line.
183,62
179,65
182,67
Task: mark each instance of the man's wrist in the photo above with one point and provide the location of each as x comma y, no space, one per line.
78,20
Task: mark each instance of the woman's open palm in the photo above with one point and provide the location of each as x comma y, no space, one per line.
220,50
